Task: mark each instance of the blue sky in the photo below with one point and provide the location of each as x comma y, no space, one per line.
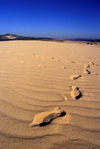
51,18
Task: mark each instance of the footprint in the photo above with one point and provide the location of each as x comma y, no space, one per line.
63,67
86,66
75,93
86,71
74,77
45,118
92,63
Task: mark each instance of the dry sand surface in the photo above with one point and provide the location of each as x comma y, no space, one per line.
35,77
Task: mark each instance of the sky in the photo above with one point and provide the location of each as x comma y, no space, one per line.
51,18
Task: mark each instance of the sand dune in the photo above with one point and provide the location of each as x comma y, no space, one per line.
34,78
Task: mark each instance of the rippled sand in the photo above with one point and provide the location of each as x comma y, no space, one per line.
35,77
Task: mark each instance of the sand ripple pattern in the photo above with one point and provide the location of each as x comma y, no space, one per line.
34,79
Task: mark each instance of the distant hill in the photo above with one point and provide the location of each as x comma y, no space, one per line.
7,37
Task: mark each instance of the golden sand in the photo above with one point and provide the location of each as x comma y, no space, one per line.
34,78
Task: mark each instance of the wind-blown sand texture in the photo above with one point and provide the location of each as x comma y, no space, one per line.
35,77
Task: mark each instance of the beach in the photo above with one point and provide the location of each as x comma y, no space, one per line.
37,76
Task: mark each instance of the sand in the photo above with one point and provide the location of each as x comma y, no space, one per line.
35,78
